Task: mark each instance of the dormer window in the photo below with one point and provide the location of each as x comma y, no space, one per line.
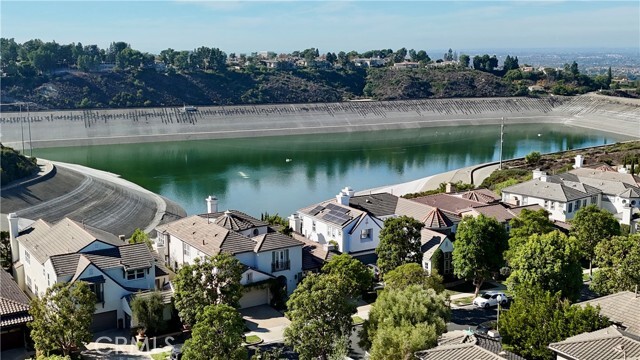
255,232
135,274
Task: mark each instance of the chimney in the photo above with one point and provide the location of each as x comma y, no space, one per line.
344,196
579,162
626,214
295,223
543,177
449,188
212,204
13,234
537,174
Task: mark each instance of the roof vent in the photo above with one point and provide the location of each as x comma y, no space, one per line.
227,213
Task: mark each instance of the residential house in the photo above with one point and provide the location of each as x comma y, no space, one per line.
406,65
610,343
622,309
44,254
14,313
265,253
430,242
352,224
369,62
564,194
465,345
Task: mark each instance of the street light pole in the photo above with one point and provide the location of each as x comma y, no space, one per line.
499,298
29,122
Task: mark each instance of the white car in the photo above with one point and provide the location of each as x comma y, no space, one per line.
490,298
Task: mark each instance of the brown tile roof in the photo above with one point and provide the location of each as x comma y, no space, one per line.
497,211
314,254
447,202
412,209
129,256
273,241
481,195
599,345
621,308
436,219
14,304
234,220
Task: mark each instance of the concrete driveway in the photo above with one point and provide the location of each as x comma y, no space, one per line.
265,322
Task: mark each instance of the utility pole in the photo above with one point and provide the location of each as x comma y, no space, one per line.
29,122
501,141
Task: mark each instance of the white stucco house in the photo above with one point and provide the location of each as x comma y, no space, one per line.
564,194
44,254
265,253
430,242
351,224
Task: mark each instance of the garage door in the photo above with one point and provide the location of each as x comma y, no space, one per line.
104,321
254,297
11,338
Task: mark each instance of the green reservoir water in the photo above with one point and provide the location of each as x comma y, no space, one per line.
253,175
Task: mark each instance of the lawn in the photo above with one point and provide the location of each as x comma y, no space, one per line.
252,339
357,320
468,287
161,356
467,300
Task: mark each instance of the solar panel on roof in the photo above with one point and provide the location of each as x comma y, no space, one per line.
336,208
316,210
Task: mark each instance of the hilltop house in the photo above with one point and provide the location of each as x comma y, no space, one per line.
564,194
265,253
44,254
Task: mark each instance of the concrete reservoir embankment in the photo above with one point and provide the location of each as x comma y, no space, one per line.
116,126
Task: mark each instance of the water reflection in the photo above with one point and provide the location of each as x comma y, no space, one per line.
254,175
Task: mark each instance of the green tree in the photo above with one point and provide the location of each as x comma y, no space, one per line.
399,243
590,226
618,260
413,312
533,158
464,60
356,276
217,335
550,260
537,318
527,223
216,280
412,274
480,243
510,63
148,311
320,311
62,317
140,236
5,250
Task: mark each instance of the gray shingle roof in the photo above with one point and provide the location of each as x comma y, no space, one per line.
382,204
67,236
273,241
14,304
468,347
130,256
599,345
621,308
553,189
430,241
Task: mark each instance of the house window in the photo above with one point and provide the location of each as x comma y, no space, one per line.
594,199
552,205
365,234
280,260
98,289
447,262
29,282
546,204
570,207
313,226
577,205
186,249
584,202
27,258
135,274
249,278
35,289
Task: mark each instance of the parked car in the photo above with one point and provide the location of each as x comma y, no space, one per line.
176,352
490,298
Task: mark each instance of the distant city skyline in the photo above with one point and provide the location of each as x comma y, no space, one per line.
244,27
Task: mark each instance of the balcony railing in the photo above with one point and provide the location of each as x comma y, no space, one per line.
280,265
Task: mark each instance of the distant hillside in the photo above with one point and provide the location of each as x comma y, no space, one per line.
14,165
150,88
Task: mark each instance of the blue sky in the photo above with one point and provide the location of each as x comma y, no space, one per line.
328,25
